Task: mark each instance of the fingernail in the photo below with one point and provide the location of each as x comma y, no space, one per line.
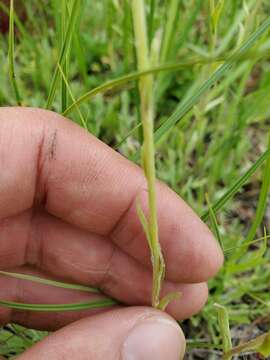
155,338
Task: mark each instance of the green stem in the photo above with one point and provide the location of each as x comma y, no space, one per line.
64,15
11,55
263,197
148,150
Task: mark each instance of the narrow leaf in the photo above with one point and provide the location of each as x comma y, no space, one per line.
224,326
64,50
237,185
184,107
50,282
59,307
11,40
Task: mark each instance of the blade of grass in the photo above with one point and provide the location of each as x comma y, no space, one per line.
132,131
254,260
11,41
167,299
214,222
151,22
185,106
50,282
262,203
83,121
65,48
64,16
260,344
59,307
237,185
224,327
248,244
169,31
155,70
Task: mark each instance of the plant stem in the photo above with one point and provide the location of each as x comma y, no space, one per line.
148,150
11,41
224,326
64,15
262,203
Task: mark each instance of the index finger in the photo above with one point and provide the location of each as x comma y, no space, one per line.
51,162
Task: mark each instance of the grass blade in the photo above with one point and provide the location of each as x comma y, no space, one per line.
58,284
151,22
237,185
214,222
169,30
224,326
184,107
122,80
83,121
260,344
59,307
64,16
263,198
64,50
11,41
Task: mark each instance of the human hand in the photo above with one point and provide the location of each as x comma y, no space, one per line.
68,212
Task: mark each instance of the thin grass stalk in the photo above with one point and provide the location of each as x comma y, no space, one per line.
169,31
11,41
214,222
262,203
83,121
151,22
246,245
122,80
95,304
65,48
148,149
64,16
167,44
54,283
224,326
237,185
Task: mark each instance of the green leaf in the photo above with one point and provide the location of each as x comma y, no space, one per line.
165,301
122,80
144,223
237,185
216,11
186,105
224,327
50,282
260,344
67,87
263,199
214,222
11,40
64,50
95,304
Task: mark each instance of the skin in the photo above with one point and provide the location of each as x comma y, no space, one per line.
68,212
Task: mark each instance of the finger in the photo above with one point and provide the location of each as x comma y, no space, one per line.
83,184
132,333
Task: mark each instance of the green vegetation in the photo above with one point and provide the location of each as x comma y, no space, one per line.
206,91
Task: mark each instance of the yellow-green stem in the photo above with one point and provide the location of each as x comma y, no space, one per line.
148,151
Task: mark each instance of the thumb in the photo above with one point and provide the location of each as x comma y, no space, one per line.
137,333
